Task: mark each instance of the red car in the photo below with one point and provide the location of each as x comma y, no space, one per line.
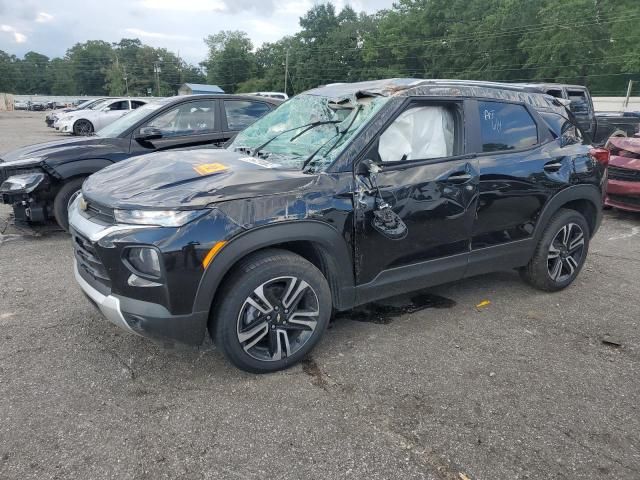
623,190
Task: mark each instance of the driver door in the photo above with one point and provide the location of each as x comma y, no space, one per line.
414,217
114,111
188,124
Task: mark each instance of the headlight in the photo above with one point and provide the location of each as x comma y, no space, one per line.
144,260
25,183
161,218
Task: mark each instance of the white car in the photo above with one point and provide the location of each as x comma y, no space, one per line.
278,95
85,122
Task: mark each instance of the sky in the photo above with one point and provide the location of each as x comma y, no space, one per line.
51,27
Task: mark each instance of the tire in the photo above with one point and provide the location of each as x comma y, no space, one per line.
82,127
275,328
61,202
560,253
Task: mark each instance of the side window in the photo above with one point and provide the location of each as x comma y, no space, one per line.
506,126
555,93
122,105
186,119
136,103
419,133
241,113
579,103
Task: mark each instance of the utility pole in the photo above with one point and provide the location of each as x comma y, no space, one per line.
126,82
157,70
286,70
626,100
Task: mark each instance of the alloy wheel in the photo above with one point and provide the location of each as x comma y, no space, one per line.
83,127
565,252
278,318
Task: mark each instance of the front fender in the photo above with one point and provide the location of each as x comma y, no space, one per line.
76,168
338,258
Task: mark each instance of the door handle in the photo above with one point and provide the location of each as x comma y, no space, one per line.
553,166
459,177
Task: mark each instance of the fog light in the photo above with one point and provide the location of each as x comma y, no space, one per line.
145,260
136,281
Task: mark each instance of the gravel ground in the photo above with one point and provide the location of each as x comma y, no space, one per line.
524,387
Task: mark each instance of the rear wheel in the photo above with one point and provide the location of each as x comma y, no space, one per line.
61,202
82,127
274,308
560,253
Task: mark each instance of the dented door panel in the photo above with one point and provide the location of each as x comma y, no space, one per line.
436,202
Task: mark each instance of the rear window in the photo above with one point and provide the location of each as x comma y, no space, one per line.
579,102
506,126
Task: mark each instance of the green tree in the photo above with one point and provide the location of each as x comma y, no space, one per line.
34,74
89,63
230,60
9,72
60,78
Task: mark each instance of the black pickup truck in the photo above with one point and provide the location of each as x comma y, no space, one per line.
599,126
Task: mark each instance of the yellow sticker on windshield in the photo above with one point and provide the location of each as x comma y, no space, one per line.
209,168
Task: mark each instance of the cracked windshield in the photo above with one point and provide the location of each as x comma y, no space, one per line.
307,131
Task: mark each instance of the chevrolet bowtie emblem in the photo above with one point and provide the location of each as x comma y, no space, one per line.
83,204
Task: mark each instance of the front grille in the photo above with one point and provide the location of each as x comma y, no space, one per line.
99,214
88,261
625,174
635,201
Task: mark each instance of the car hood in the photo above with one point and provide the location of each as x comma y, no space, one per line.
189,180
626,152
66,150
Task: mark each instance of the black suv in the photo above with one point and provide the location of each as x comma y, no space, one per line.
343,195
39,180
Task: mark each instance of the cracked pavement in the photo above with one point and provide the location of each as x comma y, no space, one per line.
523,387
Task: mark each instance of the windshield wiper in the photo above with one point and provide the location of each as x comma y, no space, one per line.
340,134
307,127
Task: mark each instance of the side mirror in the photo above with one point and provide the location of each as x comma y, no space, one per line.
148,133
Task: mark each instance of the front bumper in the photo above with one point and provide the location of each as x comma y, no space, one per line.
623,195
64,127
135,315
107,304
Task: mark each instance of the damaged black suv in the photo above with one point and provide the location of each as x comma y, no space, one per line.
343,195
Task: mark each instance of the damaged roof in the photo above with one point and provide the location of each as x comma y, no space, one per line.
405,87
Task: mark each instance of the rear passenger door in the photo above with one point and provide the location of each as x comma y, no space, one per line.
518,175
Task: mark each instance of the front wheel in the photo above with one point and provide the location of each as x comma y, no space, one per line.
274,308
61,202
82,127
560,253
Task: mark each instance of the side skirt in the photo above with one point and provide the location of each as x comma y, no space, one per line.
409,278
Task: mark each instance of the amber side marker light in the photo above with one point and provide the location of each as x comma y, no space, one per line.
601,155
212,253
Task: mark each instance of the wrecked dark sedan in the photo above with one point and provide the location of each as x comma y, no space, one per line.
39,180
343,195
